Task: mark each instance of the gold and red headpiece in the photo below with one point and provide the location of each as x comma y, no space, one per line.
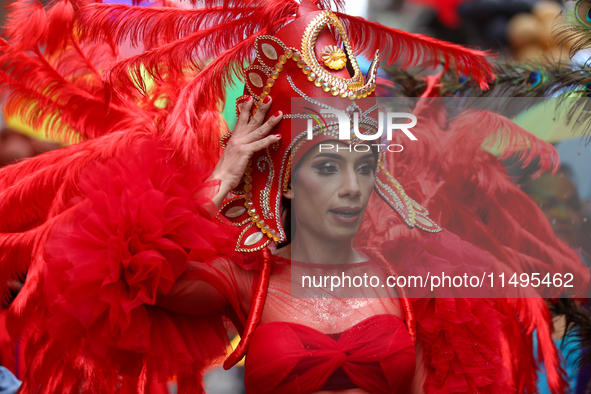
311,59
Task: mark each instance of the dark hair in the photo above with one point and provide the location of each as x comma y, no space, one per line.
288,226
578,321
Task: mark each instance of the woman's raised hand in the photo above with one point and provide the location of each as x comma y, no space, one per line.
250,135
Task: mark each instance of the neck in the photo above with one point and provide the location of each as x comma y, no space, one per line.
311,248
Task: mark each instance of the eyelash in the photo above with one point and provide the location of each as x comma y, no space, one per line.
326,166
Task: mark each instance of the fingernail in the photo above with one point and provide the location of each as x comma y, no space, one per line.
249,99
267,99
278,135
277,114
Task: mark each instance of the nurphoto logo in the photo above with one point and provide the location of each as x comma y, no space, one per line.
391,126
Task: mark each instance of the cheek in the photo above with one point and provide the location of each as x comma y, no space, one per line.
368,185
313,187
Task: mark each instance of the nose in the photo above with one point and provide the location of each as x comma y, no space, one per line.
350,184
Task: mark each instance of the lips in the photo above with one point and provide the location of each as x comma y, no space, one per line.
346,214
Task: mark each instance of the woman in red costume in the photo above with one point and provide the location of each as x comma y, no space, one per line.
136,263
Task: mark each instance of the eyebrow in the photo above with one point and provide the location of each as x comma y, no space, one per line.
340,157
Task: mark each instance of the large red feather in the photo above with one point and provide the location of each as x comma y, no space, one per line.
193,50
416,50
60,18
153,26
197,107
45,100
195,120
26,35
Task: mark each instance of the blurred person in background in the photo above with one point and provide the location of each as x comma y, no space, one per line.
558,197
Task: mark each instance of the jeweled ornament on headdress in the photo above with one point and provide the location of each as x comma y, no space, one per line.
334,57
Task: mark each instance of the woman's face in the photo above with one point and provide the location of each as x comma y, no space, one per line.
330,189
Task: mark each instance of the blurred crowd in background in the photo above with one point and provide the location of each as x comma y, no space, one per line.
518,29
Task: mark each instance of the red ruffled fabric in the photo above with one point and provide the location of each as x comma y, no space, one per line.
462,345
143,217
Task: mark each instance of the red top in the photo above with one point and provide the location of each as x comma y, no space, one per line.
376,354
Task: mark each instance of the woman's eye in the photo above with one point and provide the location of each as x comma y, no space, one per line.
327,168
365,169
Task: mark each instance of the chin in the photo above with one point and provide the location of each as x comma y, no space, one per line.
342,233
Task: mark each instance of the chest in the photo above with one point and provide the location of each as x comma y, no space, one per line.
295,296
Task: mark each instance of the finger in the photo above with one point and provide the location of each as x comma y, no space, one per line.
245,109
265,142
262,131
259,116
